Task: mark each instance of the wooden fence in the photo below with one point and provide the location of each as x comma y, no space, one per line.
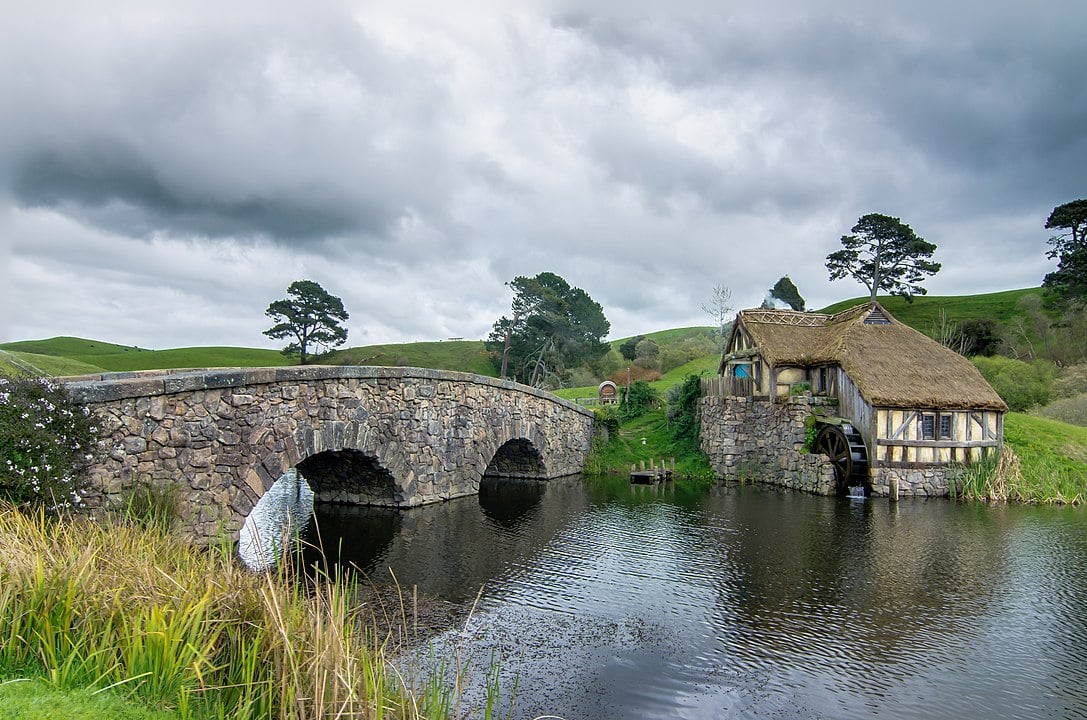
728,386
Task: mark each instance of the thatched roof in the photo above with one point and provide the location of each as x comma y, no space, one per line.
891,364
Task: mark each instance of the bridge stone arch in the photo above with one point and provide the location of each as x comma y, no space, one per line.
398,437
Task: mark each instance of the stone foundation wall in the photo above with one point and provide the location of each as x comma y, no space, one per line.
746,438
931,481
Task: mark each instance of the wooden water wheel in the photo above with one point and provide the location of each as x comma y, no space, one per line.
840,441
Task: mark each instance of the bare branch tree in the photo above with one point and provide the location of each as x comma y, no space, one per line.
720,308
950,334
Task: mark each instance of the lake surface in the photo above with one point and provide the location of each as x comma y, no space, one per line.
603,600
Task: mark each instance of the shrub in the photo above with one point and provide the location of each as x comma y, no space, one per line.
1021,385
800,388
608,416
638,399
811,431
581,377
635,373
1071,381
683,408
1071,410
46,442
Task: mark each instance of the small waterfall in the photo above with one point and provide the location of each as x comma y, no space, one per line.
857,491
277,518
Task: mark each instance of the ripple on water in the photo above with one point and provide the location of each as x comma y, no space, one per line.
757,603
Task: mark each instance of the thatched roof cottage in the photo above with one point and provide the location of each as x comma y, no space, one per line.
916,404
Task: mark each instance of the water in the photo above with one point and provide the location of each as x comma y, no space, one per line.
636,602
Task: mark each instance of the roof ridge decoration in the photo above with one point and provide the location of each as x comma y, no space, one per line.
785,317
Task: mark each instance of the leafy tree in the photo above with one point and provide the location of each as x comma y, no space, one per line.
883,253
647,348
982,336
1068,283
629,348
554,327
309,315
785,291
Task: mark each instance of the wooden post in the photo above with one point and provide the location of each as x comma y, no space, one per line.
894,487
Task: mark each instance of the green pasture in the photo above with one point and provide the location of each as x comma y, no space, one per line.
924,312
461,355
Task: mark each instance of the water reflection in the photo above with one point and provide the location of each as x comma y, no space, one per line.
607,601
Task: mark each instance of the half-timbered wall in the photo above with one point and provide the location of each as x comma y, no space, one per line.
930,436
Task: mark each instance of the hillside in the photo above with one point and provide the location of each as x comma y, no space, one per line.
924,311
462,355
70,355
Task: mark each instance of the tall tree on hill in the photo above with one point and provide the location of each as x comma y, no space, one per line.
310,315
629,348
1068,283
554,327
884,253
785,290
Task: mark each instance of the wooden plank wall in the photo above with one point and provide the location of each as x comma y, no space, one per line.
853,406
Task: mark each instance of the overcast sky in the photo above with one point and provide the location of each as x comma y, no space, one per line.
168,168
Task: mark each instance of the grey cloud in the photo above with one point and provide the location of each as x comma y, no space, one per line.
992,94
110,186
296,136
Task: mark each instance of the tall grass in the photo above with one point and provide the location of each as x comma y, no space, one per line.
137,610
1043,461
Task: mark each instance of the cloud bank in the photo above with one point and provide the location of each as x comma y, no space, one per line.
166,170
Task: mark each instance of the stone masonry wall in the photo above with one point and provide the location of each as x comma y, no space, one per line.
746,438
223,437
929,481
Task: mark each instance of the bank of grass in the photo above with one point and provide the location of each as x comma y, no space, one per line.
27,699
1047,464
149,620
647,439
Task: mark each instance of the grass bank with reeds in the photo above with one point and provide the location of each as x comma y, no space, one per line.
1045,461
137,612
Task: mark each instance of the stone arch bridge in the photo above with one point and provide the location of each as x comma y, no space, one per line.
396,437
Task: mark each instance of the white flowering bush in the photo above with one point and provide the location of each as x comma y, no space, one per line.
46,442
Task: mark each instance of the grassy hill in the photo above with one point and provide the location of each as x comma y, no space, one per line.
462,355
91,356
925,310
70,355
77,356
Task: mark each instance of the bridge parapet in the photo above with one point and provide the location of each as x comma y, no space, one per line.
378,435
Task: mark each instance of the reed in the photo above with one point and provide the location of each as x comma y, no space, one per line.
141,612
1036,479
